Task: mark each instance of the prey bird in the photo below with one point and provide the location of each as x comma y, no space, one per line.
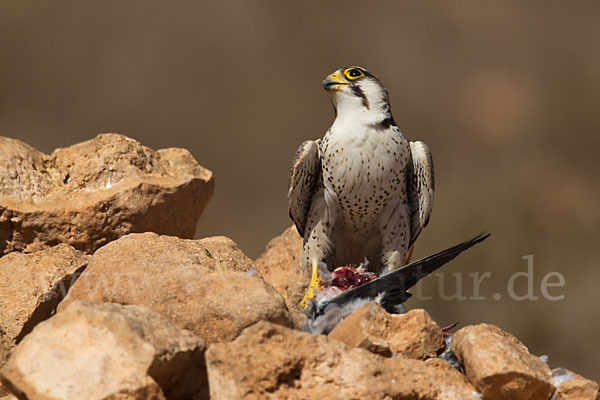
363,191
389,290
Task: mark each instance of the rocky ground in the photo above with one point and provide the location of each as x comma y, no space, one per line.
104,296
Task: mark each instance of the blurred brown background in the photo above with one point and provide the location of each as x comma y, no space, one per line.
506,95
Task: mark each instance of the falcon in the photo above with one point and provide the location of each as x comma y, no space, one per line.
363,191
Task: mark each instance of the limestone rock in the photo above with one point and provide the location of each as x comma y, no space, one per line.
570,386
105,351
413,335
96,191
31,286
268,361
280,265
452,383
207,286
365,328
500,366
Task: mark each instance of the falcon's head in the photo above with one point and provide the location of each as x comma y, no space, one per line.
354,89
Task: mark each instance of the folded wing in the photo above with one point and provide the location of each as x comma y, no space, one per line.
420,188
304,178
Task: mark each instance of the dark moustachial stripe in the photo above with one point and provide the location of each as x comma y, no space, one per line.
387,122
359,92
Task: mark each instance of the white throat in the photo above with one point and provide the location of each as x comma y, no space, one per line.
369,109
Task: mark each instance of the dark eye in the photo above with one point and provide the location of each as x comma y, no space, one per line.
353,73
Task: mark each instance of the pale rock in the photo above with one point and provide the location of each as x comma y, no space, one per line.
31,286
280,265
453,384
413,334
207,286
571,386
107,351
500,366
268,361
93,192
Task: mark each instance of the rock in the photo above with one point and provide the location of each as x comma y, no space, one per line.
96,191
32,285
207,286
99,351
280,265
365,328
271,361
500,366
452,383
570,386
413,335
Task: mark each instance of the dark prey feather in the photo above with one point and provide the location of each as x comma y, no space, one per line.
395,284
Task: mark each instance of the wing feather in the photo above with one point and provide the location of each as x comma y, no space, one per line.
304,177
420,188
395,284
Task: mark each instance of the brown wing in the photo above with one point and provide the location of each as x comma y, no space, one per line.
420,188
304,177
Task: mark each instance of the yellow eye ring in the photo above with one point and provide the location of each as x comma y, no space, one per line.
353,73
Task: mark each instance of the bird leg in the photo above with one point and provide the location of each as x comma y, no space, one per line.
315,284
316,244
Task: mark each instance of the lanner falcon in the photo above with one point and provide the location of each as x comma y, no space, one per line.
363,191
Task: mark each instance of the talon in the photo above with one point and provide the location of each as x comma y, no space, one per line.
315,284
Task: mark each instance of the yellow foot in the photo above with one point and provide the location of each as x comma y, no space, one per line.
313,287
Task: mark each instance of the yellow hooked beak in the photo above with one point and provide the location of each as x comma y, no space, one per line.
333,82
